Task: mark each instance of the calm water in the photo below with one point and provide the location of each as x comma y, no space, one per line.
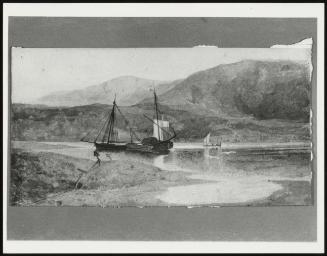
237,177
226,177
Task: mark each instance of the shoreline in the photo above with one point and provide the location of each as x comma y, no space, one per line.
152,181
112,183
198,143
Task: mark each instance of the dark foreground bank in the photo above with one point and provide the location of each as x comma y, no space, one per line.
50,179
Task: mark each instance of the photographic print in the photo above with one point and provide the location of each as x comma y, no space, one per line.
199,126
170,128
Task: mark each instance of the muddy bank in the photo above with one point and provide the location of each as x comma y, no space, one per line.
46,173
293,193
45,178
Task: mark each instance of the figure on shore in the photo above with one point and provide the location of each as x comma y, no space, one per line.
96,154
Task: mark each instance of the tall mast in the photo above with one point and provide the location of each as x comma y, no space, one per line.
156,109
130,134
111,129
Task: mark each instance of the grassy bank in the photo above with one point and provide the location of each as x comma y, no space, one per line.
33,176
49,179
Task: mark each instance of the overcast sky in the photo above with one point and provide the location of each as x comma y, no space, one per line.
38,72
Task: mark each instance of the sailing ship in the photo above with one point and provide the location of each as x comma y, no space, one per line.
107,138
161,141
207,142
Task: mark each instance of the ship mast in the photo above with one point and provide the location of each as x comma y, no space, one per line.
156,110
111,130
110,125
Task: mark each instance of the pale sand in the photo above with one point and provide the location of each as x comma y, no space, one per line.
219,193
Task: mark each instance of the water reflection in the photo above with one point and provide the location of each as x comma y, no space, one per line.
238,177
227,177
213,161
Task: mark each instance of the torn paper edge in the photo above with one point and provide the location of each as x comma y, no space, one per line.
305,43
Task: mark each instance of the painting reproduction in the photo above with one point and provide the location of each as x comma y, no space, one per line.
140,127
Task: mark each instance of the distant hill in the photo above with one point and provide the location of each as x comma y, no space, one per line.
129,90
73,123
247,101
263,89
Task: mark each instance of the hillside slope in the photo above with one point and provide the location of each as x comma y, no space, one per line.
263,89
129,90
246,101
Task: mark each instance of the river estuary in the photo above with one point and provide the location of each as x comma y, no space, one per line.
228,177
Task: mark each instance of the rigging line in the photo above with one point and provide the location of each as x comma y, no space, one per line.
112,131
102,128
107,128
93,128
128,123
111,128
156,109
104,125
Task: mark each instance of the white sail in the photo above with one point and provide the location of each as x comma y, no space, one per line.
157,131
206,140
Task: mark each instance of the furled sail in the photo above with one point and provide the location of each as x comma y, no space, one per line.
206,140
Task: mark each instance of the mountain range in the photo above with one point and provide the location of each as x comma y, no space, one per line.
128,90
263,89
244,101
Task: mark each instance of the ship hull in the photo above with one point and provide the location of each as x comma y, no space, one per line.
161,148
110,146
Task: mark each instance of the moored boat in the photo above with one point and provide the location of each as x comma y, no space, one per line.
116,146
107,138
161,141
207,141
159,147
